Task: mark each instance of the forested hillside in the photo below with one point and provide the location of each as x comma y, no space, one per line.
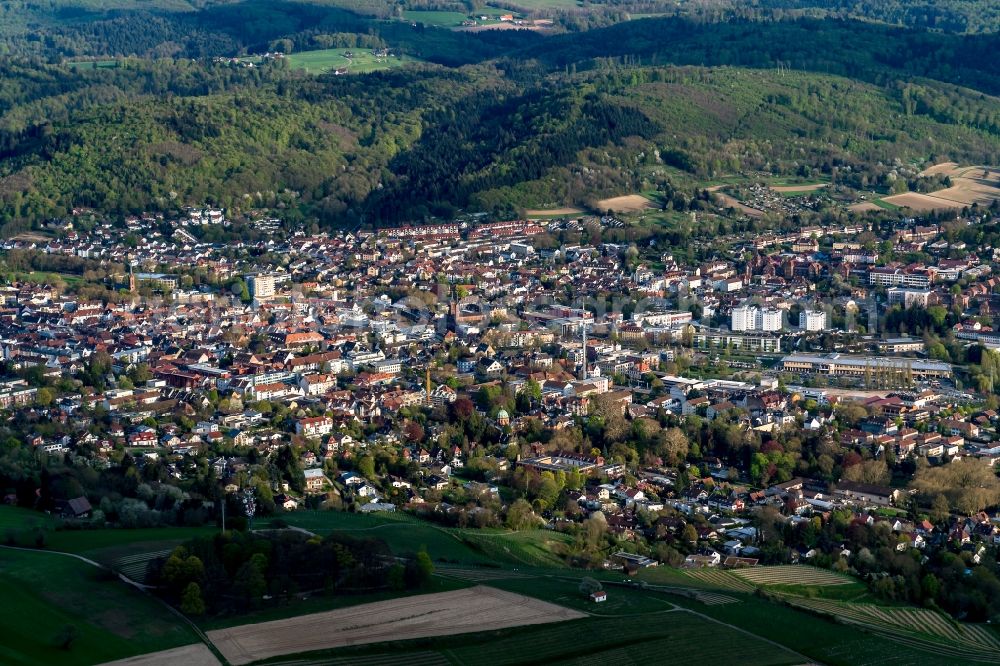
421,142
493,121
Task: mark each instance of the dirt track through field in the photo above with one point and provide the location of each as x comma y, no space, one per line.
442,614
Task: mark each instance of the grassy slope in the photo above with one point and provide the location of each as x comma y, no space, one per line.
405,535
16,518
818,638
44,592
362,62
322,603
36,582
443,19
626,640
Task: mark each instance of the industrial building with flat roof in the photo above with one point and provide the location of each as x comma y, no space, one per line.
860,366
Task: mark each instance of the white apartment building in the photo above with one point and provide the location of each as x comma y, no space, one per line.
261,286
752,318
897,277
812,320
742,318
909,297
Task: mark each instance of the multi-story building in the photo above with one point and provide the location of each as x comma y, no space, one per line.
262,286
314,427
752,318
812,320
769,319
665,319
157,280
861,366
742,318
898,277
756,341
909,297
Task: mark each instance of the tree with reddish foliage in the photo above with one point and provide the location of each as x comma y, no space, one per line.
462,409
851,459
413,431
772,445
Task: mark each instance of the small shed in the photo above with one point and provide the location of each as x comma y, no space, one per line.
599,596
78,507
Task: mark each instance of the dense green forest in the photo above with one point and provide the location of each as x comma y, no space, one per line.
492,121
427,141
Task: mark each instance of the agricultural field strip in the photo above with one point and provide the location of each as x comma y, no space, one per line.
135,566
720,579
916,623
792,575
141,557
440,614
412,659
478,574
713,599
687,637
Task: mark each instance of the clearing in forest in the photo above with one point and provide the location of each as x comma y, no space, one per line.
629,203
799,188
541,212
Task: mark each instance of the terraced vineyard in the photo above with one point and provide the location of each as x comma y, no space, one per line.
136,566
793,575
723,580
714,599
919,627
477,575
